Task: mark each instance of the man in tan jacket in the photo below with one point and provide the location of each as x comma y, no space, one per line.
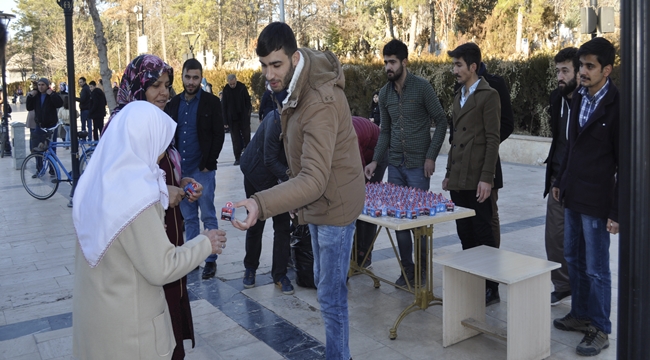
326,185
473,153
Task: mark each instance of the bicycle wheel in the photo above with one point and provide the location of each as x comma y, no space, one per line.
83,161
35,174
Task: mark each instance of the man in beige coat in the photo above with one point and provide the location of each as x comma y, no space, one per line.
473,153
326,186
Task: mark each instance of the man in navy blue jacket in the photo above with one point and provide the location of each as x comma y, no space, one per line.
199,139
588,187
264,165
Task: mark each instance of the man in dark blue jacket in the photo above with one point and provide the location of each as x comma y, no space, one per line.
588,187
44,102
199,139
566,70
264,165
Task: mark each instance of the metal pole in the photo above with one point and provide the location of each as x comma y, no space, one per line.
594,4
74,140
634,178
281,10
142,17
5,108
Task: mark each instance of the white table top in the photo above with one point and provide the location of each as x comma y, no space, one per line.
422,220
499,265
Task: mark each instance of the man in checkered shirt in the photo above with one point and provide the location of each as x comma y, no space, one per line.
407,105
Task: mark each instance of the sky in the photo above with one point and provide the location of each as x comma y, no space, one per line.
8,6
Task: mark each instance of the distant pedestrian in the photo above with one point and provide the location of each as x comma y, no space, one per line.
237,112
84,107
97,109
375,114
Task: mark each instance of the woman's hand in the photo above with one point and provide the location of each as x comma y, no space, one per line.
198,189
176,194
217,239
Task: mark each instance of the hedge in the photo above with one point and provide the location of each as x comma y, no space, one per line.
530,82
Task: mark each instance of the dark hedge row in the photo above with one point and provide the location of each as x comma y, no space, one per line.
530,82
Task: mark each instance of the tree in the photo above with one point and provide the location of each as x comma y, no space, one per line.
102,53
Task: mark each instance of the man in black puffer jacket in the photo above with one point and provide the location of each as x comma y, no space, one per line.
264,165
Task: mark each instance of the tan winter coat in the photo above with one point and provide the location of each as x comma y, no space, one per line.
475,148
326,185
119,308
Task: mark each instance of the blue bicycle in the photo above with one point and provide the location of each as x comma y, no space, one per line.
41,171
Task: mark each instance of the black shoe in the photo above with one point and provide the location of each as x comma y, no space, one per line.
236,162
209,270
410,275
593,342
492,297
569,323
558,296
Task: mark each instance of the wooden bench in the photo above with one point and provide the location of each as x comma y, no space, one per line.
528,333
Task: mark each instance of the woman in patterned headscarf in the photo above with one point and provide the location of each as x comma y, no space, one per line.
148,78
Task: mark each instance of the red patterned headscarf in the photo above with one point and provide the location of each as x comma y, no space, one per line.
138,76
141,73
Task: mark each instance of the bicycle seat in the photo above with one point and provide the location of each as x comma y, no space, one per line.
82,134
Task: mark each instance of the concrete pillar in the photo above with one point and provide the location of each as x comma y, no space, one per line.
18,141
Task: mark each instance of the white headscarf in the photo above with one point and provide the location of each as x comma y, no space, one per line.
123,178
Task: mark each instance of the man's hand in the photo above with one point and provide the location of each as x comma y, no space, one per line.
198,191
251,219
33,92
483,191
217,239
176,194
429,167
49,91
612,226
445,182
556,193
370,169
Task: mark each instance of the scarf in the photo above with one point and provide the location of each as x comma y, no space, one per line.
123,179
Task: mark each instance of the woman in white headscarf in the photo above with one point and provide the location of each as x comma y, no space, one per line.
123,255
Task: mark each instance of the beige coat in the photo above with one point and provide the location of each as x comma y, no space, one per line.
475,147
327,184
119,307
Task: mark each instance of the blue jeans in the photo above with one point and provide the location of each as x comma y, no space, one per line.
67,132
332,246
586,249
87,121
190,211
400,175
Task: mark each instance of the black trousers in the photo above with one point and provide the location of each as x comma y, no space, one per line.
476,230
98,127
240,132
281,241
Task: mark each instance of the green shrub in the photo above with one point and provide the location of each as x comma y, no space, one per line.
530,81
